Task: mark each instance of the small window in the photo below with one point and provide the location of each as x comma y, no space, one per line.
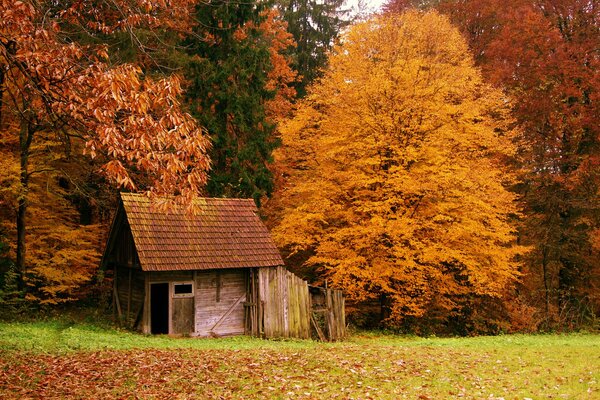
185,289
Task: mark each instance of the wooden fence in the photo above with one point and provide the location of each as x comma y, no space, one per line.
280,304
285,303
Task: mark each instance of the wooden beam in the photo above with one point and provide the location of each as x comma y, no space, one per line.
195,289
219,284
129,294
248,304
146,316
170,306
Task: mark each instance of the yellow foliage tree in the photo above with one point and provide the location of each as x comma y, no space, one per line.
62,253
397,180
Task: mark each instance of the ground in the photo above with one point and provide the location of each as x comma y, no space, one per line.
73,361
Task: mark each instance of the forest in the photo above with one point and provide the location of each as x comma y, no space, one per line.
438,161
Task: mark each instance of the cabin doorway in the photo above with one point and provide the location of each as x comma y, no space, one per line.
159,308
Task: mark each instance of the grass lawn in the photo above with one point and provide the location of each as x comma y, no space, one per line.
63,361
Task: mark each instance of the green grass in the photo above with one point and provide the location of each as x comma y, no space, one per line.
58,359
60,337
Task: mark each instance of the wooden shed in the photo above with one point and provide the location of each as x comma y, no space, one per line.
214,273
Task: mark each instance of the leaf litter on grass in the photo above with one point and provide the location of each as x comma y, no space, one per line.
365,369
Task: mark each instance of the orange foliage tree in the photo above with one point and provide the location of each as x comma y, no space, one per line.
58,95
281,77
396,163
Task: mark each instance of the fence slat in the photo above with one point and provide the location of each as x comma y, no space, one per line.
285,306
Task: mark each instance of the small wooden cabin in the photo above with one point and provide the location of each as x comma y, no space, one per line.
214,273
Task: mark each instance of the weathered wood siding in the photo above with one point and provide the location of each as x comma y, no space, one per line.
129,292
128,279
285,303
336,315
252,306
269,302
220,297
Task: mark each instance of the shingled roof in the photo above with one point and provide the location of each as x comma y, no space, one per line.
225,233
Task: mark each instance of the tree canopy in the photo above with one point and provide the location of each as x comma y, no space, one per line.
545,56
60,95
240,84
397,187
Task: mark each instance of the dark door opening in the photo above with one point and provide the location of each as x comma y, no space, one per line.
159,308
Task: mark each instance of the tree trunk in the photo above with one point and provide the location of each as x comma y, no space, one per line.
25,137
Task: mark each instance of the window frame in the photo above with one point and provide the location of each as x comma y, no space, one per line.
183,295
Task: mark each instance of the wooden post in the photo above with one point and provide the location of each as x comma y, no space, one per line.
146,317
287,294
329,313
170,302
129,294
260,305
248,304
219,284
195,288
114,300
254,300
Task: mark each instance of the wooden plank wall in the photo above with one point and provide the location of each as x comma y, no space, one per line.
270,302
285,303
181,310
129,295
220,298
124,253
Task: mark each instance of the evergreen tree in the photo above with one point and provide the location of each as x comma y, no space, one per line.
315,25
228,70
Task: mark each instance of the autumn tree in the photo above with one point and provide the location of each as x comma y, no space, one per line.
282,77
59,94
397,175
62,253
545,55
241,83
